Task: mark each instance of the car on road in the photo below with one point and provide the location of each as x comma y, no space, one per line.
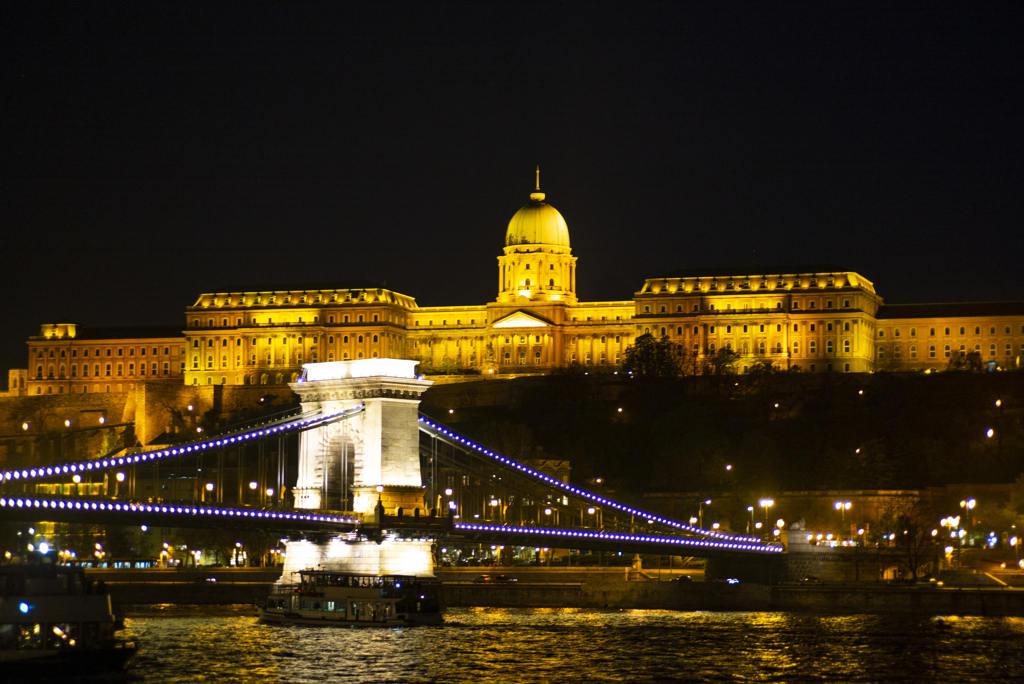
810,579
681,578
493,579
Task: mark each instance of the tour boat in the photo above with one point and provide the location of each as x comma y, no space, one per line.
54,621
325,598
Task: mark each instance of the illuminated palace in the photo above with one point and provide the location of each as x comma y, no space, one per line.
820,318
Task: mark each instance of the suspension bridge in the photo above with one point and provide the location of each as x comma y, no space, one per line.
361,464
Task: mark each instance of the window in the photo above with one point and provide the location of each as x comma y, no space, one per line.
647,309
330,339
375,338
931,351
345,339
977,330
696,330
360,340
762,328
828,327
881,353
796,305
778,328
828,304
846,327
796,327
846,305
913,352
813,327
696,308
813,346
376,318
897,352
846,346
712,330
1009,352
679,330
662,310
962,331
728,328
881,333
828,346
896,332
913,332
946,351
662,331
811,305
992,350
947,331
108,370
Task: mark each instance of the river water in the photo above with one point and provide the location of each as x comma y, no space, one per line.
485,645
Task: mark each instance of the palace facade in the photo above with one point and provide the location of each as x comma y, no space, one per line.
821,318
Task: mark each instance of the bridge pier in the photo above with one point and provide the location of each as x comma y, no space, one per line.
369,459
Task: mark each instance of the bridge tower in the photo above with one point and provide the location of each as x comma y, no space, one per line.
356,463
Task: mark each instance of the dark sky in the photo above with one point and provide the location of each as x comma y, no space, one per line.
150,152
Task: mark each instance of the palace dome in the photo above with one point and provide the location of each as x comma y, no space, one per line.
537,223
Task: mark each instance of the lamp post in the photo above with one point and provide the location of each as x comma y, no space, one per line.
750,510
842,507
968,506
700,512
766,504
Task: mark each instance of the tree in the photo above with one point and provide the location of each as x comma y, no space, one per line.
650,357
722,363
906,525
965,361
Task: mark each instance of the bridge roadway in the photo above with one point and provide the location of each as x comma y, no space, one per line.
107,512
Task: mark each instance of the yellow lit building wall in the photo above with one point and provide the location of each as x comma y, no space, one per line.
68,359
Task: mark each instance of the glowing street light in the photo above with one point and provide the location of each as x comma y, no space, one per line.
766,504
254,485
700,512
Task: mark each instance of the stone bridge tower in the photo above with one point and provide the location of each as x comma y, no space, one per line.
349,464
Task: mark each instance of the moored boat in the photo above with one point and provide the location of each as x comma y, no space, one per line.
53,620
326,598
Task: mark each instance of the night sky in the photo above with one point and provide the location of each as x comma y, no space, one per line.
152,152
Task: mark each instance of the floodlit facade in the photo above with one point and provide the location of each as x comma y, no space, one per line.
67,358
819,318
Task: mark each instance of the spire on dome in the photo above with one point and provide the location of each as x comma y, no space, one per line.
537,195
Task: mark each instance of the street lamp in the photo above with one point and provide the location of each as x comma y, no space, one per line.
968,505
766,504
842,507
700,512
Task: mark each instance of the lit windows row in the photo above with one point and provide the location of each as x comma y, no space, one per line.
795,306
947,350
109,352
105,370
946,331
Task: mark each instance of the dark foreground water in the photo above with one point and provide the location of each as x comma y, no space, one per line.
478,645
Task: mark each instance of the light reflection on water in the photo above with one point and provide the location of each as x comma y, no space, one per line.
482,645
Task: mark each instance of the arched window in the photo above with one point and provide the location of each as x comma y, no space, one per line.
881,353
527,283
375,338
551,282
662,331
846,346
946,351
846,327
195,344
931,351
897,352
913,352
679,330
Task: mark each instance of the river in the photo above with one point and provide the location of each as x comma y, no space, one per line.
481,645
